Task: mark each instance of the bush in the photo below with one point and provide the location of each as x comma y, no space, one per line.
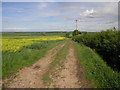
106,43
67,35
76,32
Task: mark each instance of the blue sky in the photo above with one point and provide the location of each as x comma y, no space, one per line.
58,16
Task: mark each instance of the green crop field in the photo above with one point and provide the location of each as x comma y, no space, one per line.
19,51
97,53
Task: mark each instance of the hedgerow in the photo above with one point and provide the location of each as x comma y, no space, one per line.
105,43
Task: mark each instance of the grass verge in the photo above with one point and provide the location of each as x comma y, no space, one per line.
56,64
96,70
13,61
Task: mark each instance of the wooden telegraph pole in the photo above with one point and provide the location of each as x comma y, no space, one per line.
76,24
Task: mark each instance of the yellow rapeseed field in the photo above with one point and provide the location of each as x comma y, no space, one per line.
14,45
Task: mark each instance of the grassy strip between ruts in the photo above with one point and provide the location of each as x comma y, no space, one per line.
56,64
96,70
13,61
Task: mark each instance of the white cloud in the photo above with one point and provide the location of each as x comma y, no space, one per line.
60,0
15,29
104,10
43,5
64,13
109,9
89,13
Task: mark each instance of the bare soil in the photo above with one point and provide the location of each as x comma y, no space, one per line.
71,75
31,77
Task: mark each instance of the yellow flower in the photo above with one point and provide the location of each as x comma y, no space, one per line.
14,45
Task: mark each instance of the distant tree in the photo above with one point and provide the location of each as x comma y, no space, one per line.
76,32
84,32
80,32
114,29
67,35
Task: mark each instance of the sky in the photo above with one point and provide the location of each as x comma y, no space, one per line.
58,16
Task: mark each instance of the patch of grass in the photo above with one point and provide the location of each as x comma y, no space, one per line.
56,63
96,70
13,61
0,87
0,65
